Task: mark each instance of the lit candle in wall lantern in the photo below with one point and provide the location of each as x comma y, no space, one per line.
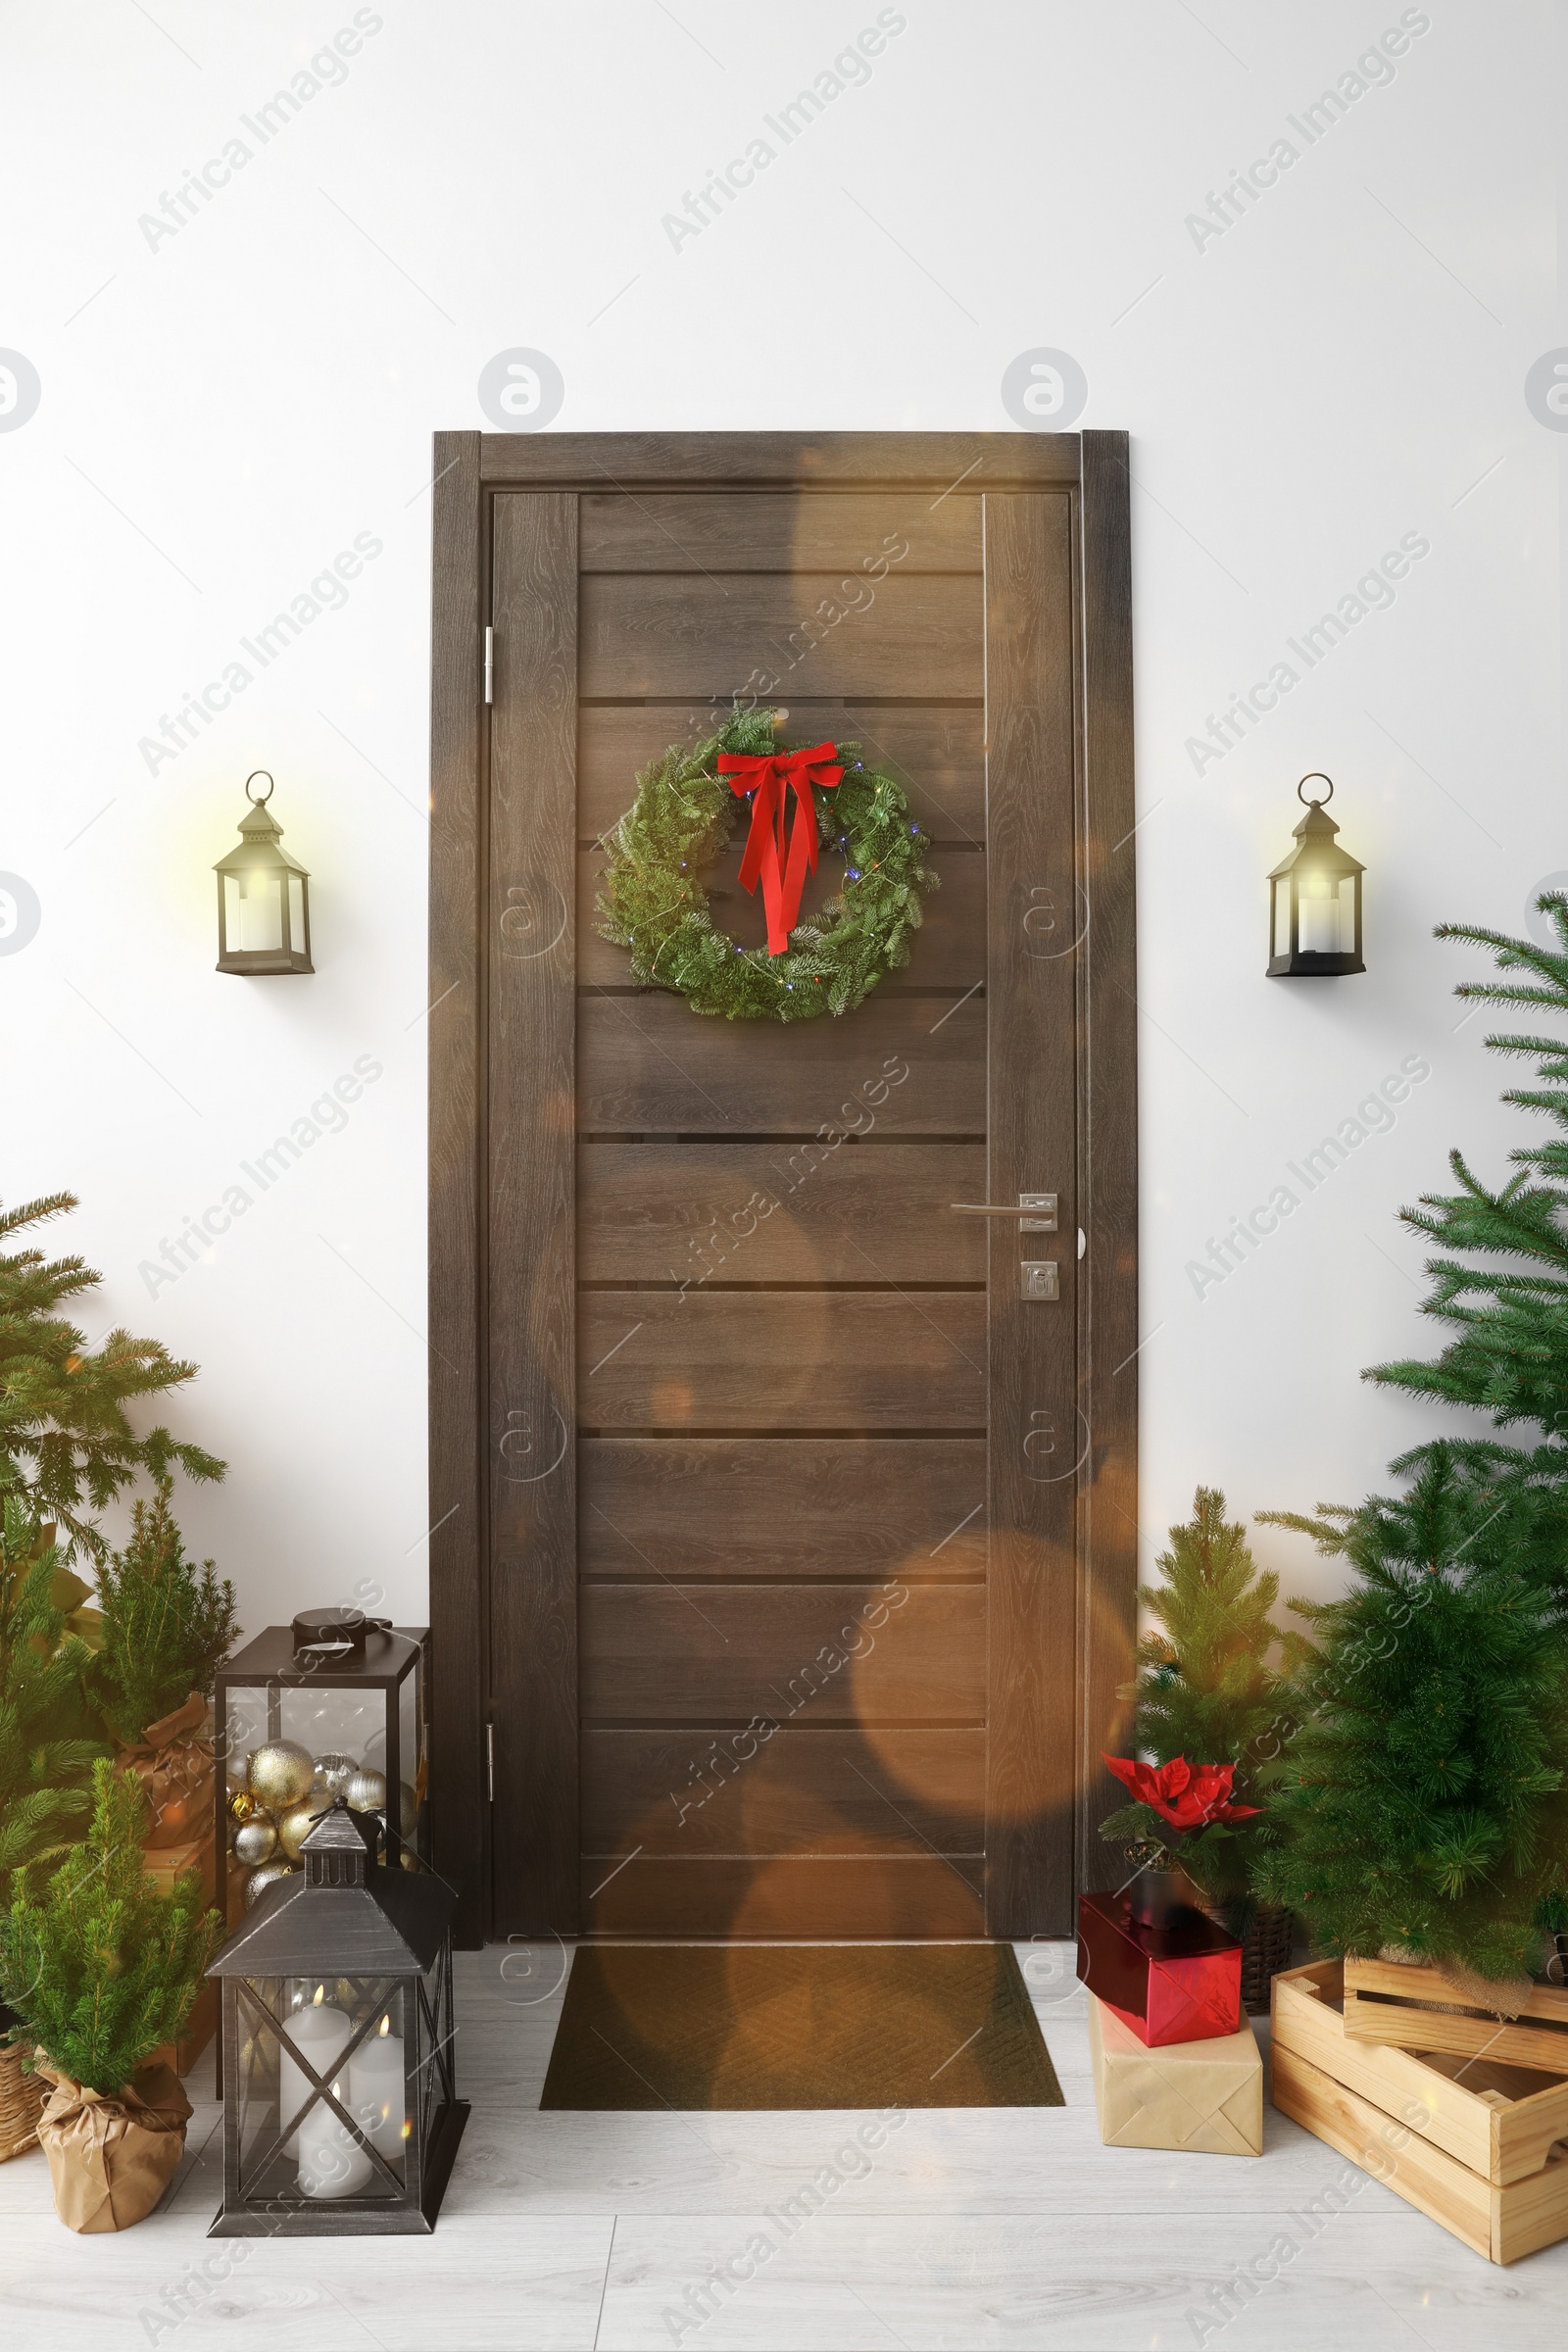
376,2097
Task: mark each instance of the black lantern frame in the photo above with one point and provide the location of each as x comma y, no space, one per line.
261,875
1315,900
304,2153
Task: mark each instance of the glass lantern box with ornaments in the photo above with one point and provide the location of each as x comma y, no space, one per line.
334,1707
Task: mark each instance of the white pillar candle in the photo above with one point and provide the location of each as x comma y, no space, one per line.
375,2089
260,914
332,2163
320,2033
1318,926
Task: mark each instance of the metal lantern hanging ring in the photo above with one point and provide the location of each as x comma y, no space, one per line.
264,897
1315,899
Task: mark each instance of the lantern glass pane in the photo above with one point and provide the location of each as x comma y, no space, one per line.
1281,916
261,911
231,939
296,915
294,2147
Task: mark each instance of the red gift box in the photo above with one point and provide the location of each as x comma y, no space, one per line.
1179,1984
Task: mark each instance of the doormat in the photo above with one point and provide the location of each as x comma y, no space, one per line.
741,2026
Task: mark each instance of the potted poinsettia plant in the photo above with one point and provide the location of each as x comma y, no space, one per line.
1177,1811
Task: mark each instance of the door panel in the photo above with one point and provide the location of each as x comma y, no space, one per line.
776,1213
839,1653
819,1359
942,953
695,634
707,1507
780,531
827,1790
901,1066
937,753
782,1453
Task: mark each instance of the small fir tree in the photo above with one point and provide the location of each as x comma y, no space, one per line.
64,1439
1427,1795
102,1969
166,1624
47,1741
1212,1686
1424,1806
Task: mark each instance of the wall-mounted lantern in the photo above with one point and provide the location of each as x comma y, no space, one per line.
1315,900
264,897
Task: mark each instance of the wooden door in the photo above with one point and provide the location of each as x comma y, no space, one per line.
781,1559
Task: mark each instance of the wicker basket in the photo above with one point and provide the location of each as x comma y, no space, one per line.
1267,1938
22,2098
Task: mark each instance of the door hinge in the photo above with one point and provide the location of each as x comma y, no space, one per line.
490,1762
489,665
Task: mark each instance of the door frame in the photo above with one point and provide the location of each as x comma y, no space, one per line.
469,470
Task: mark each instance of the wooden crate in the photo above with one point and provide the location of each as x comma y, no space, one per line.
167,1863
200,2027
1204,2097
1476,2143
1418,2009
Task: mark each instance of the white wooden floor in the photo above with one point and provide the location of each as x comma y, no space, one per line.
1002,2228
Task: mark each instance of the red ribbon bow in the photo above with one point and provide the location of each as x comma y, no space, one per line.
781,865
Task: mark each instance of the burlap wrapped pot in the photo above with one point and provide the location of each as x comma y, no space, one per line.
111,2159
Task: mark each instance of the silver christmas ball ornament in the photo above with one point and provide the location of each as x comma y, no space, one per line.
258,1882
366,1792
255,1842
333,1774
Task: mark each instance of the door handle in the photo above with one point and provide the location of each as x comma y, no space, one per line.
1036,1212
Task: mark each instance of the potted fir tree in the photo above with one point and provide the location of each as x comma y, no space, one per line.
102,1970
1212,1685
1425,1800
48,1741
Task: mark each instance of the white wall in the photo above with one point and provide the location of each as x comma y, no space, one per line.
225,408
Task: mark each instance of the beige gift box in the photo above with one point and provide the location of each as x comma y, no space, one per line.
1203,2097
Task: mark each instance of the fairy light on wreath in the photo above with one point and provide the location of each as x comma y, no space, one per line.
817,795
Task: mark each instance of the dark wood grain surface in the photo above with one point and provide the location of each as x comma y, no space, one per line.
869,532
818,1359
879,1898
709,1508
935,751
943,463
892,1651
1033,1349
833,1789
532,1194
688,1215
751,633
456,1511
1108,1149
650,1064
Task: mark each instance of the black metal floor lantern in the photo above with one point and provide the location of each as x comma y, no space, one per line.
1315,900
340,2112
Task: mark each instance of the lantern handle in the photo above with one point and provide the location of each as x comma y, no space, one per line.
261,800
1317,776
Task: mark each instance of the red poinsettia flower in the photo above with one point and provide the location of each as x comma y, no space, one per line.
1189,1797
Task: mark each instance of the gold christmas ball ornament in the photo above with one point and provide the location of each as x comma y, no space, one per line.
258,1882
409,1861
280,1774
242,1807
333,1775
296,1825
255,1842
408,1810
366,1792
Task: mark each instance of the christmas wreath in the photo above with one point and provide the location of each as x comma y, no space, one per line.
655,899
